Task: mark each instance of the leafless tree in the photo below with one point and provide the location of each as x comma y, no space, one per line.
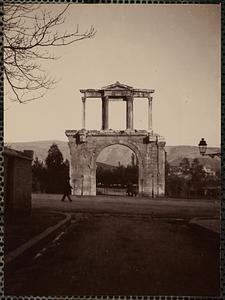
29,32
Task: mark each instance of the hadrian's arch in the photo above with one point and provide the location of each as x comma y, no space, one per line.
86,145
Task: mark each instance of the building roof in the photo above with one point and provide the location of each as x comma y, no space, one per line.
26,154
117,85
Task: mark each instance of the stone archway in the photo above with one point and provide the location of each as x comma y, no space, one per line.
85,145
133,149
122,142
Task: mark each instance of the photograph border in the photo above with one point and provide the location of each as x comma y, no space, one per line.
222,241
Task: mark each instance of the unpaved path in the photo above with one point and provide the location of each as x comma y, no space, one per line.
122,255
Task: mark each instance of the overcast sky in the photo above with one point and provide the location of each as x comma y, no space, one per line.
174,49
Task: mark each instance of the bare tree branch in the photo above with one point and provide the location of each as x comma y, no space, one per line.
29,32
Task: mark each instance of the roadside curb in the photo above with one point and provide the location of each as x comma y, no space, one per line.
196,223
37,241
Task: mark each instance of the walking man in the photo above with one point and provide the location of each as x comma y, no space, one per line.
67,190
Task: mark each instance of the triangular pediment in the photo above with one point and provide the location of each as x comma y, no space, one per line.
117,86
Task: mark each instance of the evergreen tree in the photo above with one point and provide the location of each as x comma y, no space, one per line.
54,158
57,170
198,176
133,160
38,176
167,178
185,166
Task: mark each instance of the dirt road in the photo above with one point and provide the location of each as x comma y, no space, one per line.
122,255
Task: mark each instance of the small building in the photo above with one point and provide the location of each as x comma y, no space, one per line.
17,180
208,171
176,170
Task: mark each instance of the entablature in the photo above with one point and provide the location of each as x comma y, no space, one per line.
117,94
148,137
117,90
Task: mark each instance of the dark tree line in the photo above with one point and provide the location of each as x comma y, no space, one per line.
120,176
49,176
191,180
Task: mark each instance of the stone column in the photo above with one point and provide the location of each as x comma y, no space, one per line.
149,113
84,112
129,116
105,112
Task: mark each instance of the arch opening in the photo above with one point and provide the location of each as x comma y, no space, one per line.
117,171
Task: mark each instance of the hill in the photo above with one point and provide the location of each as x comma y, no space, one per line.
41,148
176,153
114,154
106,166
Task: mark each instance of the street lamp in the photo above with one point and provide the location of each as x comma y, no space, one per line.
203,147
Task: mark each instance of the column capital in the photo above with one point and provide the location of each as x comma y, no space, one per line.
84,112
129,98
105,97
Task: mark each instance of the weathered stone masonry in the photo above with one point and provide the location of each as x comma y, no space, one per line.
86,145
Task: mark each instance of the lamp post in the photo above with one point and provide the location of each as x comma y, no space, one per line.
203,147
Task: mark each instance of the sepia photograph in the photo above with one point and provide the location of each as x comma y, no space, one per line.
112,149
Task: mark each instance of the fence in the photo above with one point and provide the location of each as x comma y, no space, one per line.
111,191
